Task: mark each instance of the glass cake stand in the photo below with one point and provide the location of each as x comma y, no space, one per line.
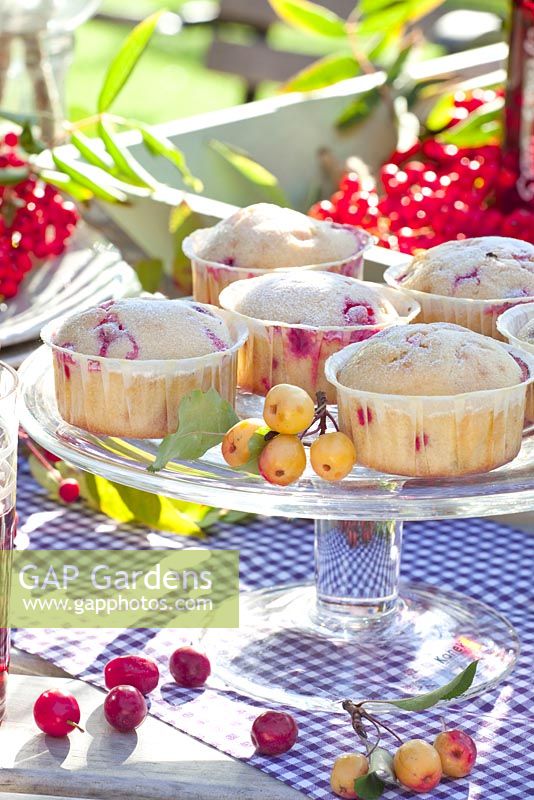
362,629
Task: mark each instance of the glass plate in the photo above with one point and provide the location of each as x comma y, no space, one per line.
363,495
90,271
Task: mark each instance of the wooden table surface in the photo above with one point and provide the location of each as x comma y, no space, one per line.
156,763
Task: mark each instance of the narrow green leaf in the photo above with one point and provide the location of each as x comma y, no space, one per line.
441,113
19,119
203,419
29,142
481,127
48,479
324,72
129,168
369,786
161,146
454,688
309,17
66,185
126,59
398,65
251,170
87,150
149,271
9,176
92,178
358,109
179,216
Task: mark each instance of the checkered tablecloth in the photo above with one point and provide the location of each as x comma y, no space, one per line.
441,553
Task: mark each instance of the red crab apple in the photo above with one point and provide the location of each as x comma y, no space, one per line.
274,733
457,751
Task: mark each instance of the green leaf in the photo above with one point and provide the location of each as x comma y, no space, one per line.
66,185
149,271
309,17
161,146
369,786
500,8
19,119
203,419
125,504
129,168
47,478
179,216
481,127
454,688
28,141
441,113
324,72
126,59
243,163
92,178
358,109
396,69
10,176
87,150
255,446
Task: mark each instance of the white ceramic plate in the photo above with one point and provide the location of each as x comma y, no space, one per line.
89,272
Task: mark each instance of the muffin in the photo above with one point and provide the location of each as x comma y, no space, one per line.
264,237
297,320
469,282
432,400
517,327
123,367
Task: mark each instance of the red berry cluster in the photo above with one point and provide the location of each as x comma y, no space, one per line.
435,192
35,221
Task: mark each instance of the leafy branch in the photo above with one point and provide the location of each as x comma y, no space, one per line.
106,170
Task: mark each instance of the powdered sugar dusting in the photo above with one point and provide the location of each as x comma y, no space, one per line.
145,328
435,359
313,298
526,333
488,268
265,236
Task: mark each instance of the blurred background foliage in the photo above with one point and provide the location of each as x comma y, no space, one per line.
174,81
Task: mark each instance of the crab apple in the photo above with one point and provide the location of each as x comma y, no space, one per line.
345,771
417,765
125,708
332,456
189,668
138,671
235,444
274,733
288,409
282,460
56,713
457,751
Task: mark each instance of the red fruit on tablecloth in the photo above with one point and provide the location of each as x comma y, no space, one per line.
125,708
56,713
274,733
189,668
138,671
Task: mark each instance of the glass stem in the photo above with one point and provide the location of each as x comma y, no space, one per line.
356,571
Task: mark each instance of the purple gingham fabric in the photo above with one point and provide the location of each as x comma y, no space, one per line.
439,553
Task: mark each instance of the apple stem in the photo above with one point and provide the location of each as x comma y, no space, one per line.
75,725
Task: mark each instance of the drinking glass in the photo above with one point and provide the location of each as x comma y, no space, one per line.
8,474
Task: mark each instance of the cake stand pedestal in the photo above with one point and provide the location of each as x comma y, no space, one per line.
357,625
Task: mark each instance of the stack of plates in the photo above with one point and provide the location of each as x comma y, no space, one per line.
89,272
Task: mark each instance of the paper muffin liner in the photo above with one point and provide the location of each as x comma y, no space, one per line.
138,398
510,324
211,277
478,315
278,352
425,436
